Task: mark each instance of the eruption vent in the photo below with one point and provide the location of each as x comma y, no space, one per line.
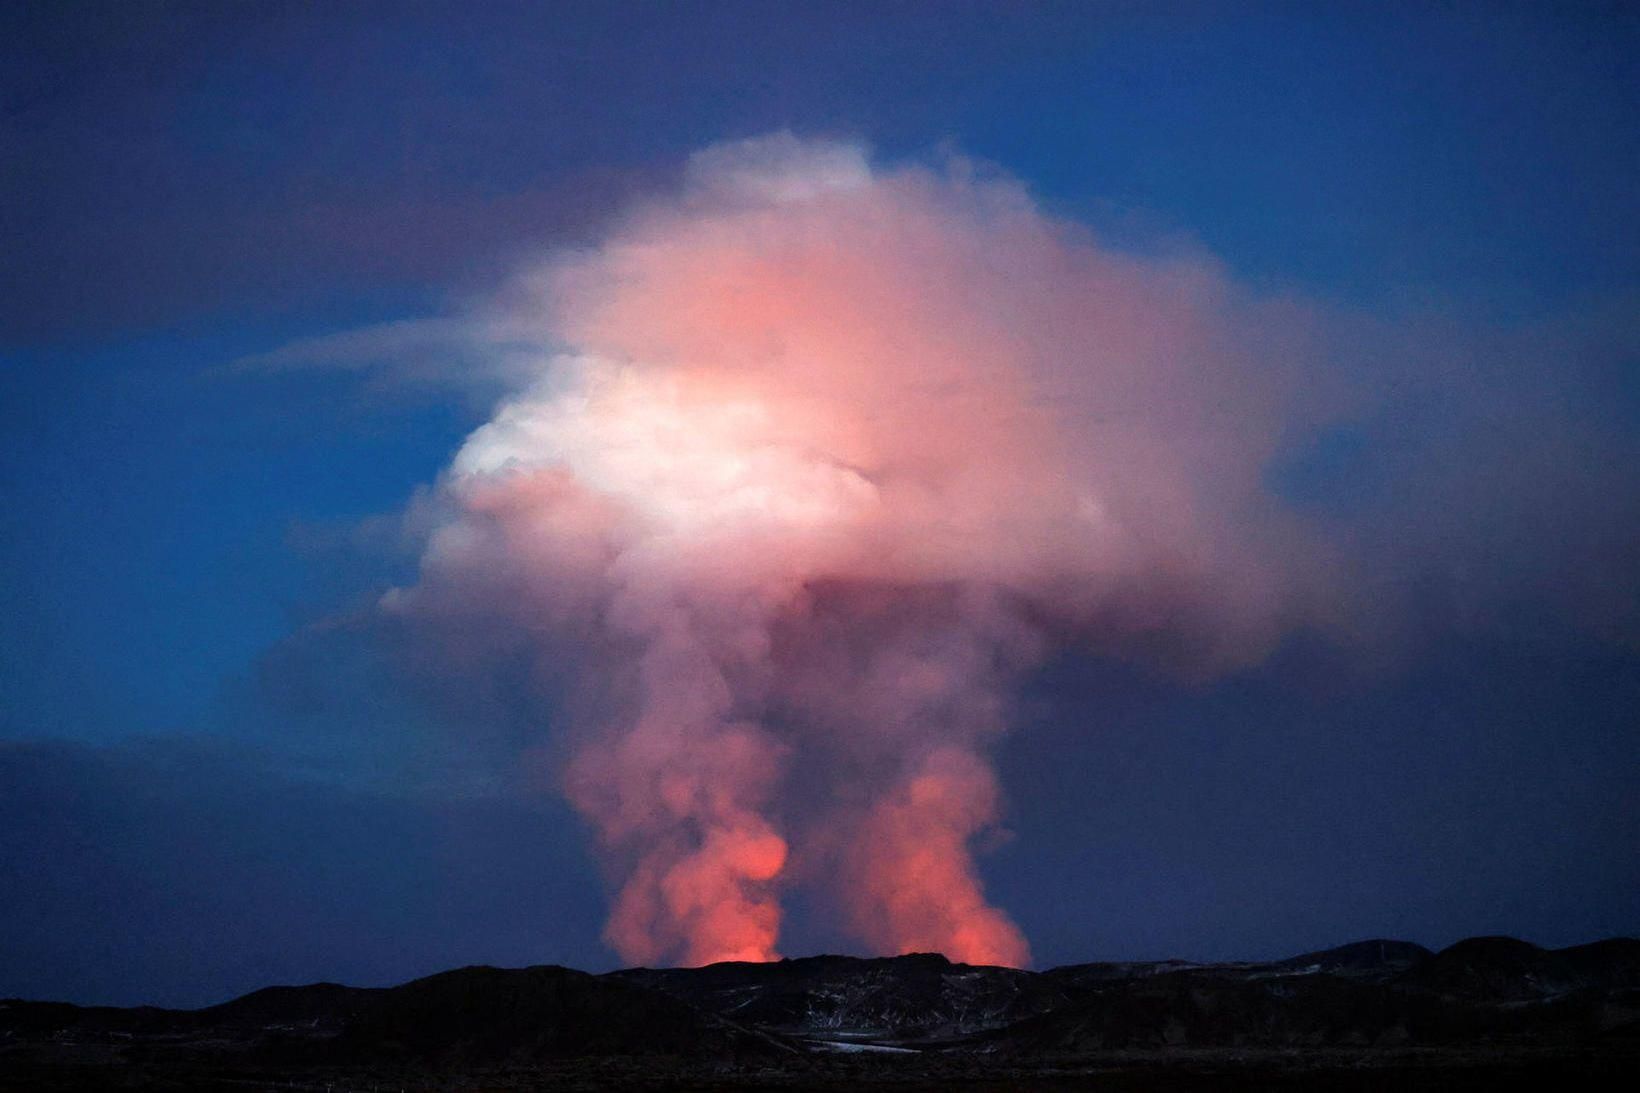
820,462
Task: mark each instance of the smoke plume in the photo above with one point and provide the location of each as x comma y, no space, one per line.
814,462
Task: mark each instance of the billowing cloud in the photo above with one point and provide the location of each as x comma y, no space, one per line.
815,461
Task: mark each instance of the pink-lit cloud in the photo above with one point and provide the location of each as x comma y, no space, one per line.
814,462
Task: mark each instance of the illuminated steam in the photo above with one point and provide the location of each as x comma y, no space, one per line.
816,463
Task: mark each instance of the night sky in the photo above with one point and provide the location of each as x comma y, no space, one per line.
216,774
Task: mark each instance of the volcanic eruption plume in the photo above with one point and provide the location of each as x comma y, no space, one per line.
814,462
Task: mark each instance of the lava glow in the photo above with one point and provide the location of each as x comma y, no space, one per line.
821,462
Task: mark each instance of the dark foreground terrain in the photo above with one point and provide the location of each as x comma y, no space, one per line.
1487,1013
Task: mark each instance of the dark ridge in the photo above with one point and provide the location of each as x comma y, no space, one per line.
918,996
1613,964
494,1015
1487,998
1372,956
20,1016
1320,1011
1104,971
1506,969
329,1004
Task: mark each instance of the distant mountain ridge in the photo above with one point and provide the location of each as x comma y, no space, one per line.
1377,993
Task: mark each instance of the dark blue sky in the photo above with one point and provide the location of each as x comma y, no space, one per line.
200,795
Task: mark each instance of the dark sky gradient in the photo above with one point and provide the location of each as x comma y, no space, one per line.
208,784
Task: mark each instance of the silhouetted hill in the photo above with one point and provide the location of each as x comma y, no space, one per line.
921,995
1613,964
1204,1009
1481,1006
1505,969
1373,993
1377,957
21,1018
495,1015
318,1005
466,1017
